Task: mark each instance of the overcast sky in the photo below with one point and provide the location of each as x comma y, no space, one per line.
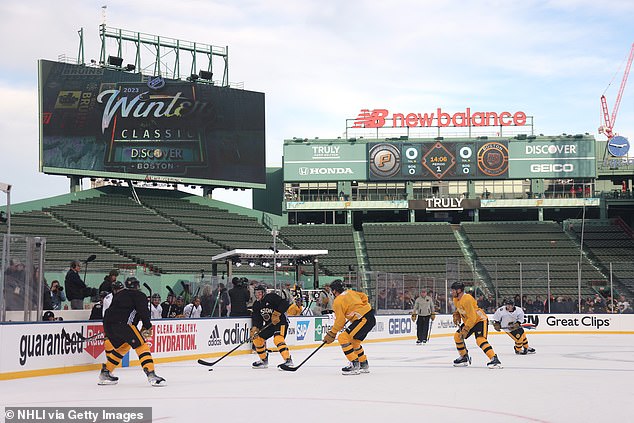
320,62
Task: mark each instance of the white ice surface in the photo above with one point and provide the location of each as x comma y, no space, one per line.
572,378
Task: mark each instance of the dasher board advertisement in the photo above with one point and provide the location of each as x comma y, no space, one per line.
100,122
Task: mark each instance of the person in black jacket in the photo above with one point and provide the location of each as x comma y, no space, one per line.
128,306
269,319
76,289
239,296
108,280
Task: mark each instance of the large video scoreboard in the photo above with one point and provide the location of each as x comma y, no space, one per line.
108,123
482,159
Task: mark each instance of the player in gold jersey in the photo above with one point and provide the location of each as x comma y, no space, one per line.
351,306
470,319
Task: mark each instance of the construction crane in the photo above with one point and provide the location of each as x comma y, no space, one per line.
608,121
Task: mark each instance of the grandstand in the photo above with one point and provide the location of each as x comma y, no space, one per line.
611,245
535,252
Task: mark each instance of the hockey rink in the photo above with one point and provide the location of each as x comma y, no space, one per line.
572,378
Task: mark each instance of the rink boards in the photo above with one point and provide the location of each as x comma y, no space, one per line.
36,349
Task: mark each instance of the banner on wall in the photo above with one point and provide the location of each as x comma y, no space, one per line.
54,345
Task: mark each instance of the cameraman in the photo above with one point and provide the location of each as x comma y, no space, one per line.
76,289
239,297
57,295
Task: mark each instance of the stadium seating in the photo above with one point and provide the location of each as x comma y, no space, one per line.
337,239
532,251
609,242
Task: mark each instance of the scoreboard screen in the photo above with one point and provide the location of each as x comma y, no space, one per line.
481,159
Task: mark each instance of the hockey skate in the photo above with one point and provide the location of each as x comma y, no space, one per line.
529,351
352,369
105,378
154,379
462,361
288,362
364,367
494,363
261,363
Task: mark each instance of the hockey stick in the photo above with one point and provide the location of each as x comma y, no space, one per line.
288,368
249,339
148,288
98,337
431,325
171,291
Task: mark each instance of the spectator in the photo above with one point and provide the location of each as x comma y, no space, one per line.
206,300
326,299
221,301
57,295
285,292
251,288
156,310
97,309
623,306
193,310
106,285
179,307
76,289
48,316
239,297
14,278
168,306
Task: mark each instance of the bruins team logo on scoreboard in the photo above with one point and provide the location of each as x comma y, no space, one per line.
493,159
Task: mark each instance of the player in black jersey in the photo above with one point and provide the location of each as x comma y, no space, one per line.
269,308
128,307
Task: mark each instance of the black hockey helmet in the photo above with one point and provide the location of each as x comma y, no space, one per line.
337,286
132,283
261,287
117,285
156,295
457,286
509,301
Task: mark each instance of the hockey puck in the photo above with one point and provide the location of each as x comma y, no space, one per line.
210,369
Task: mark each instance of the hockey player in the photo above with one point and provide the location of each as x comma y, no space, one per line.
128,306
156,310
474,321
269,308
510,318
351,306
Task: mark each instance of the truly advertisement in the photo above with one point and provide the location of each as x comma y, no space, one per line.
567,158
101,122
325,162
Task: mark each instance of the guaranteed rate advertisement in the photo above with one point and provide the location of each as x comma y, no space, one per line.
108,123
